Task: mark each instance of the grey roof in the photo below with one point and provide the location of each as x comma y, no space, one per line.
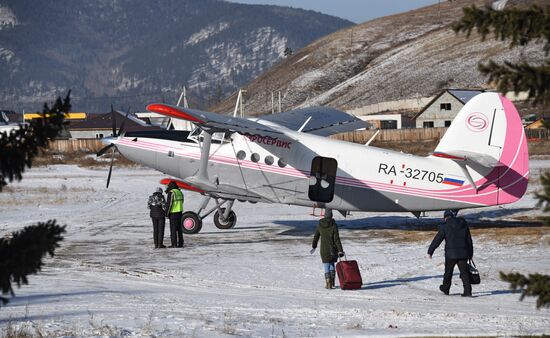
464,95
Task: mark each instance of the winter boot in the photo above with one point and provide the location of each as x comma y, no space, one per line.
332,278
328,282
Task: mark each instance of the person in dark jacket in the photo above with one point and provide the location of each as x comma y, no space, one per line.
174,210
331,247
156,204
458,250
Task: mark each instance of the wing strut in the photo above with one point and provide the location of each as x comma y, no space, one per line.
205,153
466,173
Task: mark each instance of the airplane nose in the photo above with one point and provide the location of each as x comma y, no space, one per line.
109,140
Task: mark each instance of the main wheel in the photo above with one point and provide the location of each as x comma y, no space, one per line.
228,223
191,223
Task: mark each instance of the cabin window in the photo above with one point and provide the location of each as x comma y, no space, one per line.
445,106
241,155
281,163
428,124
447,123
170,153
98,135
269,160
255,157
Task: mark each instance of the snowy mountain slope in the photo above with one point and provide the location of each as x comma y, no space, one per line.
132,52
409,55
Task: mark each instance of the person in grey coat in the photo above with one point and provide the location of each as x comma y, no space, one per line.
459,249
156,205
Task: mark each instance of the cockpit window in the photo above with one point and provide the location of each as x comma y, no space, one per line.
221,137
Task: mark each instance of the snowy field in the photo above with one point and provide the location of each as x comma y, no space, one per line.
258,279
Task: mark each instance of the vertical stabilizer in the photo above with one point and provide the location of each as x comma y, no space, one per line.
487,134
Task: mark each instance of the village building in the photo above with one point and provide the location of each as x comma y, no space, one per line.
387,120
441,111
98,126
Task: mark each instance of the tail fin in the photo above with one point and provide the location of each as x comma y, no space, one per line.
488,133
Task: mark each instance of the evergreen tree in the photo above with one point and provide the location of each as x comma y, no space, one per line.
520,27
534,285
22,255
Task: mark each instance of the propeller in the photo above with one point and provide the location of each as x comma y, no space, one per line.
113,139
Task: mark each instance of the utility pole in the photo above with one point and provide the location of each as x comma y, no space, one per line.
279,101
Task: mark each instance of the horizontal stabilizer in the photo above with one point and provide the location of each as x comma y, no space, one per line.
467,156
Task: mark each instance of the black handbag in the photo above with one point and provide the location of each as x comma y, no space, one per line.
472,271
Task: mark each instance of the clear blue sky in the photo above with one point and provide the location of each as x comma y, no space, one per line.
354,10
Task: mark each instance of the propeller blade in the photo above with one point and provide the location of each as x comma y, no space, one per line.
104,149
121,129
110,168
113,118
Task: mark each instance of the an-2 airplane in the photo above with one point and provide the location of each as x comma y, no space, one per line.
287,158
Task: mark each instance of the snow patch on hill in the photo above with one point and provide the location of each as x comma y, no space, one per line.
206,33
7,18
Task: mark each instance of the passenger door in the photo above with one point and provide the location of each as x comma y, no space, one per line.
322,179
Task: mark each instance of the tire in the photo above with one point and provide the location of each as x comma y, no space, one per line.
229,223
191,223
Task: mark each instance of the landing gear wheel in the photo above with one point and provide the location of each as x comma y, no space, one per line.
228,223
191,223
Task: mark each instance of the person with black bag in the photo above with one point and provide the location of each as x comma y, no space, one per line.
459,249
156,205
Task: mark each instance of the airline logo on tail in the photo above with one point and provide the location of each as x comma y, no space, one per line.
477,122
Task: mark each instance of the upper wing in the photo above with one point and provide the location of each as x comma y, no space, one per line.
324,121
214,121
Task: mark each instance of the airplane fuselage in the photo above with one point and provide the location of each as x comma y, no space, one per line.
310,170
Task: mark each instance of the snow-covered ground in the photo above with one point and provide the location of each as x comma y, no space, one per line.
258,279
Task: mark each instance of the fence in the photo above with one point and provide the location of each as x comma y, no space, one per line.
359,136
74,145
537,134
393,135
419,134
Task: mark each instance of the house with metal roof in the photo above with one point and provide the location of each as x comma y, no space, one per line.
441,111
101,125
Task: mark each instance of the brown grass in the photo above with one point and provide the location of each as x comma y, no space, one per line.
82,159
522,235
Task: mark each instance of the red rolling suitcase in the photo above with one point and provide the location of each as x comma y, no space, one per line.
349,275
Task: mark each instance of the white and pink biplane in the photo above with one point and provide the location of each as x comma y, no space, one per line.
287,158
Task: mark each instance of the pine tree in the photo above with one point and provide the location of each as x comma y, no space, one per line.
22,255
534,285
520,27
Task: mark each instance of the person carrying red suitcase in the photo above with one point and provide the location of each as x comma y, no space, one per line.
331,247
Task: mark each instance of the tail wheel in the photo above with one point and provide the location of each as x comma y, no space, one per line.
191,223
227,223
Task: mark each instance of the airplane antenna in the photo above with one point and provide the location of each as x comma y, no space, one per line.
183,96
242,102
372,138
303,125
238,104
